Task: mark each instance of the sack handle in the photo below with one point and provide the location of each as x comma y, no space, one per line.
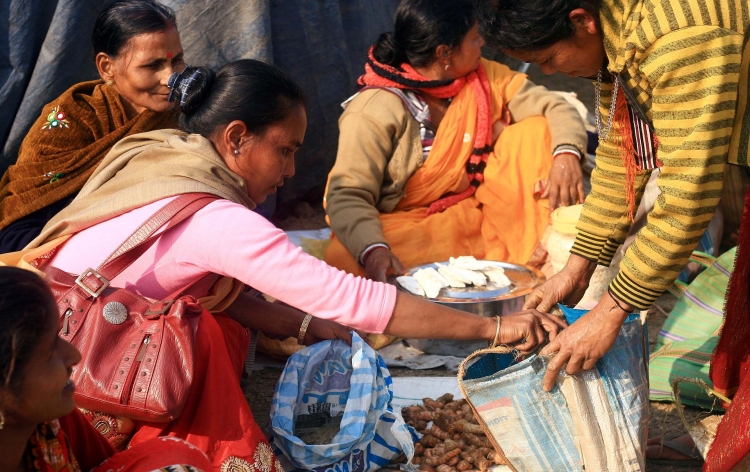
173,213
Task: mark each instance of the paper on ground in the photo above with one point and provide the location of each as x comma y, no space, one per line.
400,355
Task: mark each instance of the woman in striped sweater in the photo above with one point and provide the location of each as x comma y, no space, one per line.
671,87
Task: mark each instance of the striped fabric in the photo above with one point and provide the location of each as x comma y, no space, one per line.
689,336
643,142
680,60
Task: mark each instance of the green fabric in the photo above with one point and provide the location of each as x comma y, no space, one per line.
689,336
690,358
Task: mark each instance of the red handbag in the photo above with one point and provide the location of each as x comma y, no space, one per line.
138,353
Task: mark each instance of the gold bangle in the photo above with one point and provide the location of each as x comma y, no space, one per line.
497,333
303,330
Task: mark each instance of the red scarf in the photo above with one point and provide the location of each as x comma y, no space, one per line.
730,364
378,74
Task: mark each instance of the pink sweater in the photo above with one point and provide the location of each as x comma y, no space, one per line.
228,239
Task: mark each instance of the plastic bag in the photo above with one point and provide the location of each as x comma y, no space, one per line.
593,421
332,382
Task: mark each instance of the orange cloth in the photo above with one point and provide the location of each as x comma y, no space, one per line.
502,221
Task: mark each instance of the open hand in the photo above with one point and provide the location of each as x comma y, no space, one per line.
565,186
567,286
380,263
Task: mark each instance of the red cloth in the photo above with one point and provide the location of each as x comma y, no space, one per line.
217,419
159,453
730,365
88,445
72,444
378,74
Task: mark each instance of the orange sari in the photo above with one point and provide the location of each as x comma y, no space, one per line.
502,221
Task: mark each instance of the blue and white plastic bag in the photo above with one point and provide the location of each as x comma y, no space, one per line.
332,381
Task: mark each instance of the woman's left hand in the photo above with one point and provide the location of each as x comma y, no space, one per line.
322,330
565,186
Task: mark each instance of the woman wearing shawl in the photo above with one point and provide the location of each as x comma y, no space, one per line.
246,122
672,77
40,428
137,47
443,153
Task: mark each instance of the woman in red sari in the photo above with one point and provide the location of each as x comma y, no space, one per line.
40,428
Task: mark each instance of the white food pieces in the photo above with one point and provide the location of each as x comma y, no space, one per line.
410,284
467,277
430,281
452,280
497,276
475,278
458,273
468,263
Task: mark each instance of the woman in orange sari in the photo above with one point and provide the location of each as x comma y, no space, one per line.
443,153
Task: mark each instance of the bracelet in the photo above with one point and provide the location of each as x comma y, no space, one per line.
497,334
303,330
617,302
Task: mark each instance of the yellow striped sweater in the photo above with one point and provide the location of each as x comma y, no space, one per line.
682,61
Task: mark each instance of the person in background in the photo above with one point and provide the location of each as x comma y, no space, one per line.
136,47
443,153
671,86
242,127
40,428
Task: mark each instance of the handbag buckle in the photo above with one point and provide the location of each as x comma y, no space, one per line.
94,292
163,308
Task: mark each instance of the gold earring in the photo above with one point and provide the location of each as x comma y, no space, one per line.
110,82
2,420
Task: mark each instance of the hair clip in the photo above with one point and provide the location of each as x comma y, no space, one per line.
178,83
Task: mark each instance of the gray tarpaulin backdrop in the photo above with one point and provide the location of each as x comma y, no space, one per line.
45,48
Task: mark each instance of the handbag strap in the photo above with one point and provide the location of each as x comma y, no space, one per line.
94,282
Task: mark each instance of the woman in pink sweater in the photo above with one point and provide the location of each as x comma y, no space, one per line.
242,126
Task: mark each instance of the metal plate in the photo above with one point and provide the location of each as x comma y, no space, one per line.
523,280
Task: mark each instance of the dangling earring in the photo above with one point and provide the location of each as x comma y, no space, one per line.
110,82
447,66
2,419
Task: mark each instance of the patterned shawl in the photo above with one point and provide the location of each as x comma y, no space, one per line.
65,145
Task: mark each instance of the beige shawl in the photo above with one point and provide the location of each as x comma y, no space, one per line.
142,169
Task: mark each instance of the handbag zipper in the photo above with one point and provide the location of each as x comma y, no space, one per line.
135,368
65,326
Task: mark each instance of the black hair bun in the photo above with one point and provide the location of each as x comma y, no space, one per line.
387,50
191,88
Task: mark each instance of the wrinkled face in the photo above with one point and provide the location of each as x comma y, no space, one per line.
566,57
265,160
581,55
465,57
141,71
47,391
